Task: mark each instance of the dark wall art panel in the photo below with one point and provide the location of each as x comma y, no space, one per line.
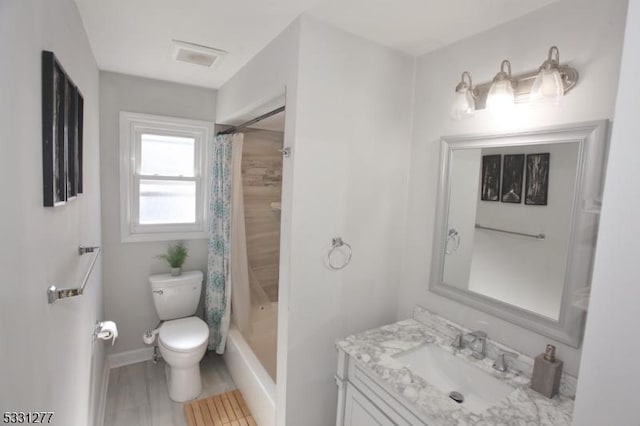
490,190
62,109
69,137
537,179
79,137
512,178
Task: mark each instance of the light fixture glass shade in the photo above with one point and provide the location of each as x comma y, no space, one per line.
463,105
500,96
547,87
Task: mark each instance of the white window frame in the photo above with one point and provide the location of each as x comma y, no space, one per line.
132,126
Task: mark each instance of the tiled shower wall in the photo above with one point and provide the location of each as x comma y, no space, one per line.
262,185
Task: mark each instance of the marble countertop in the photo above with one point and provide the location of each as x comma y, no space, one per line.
374,350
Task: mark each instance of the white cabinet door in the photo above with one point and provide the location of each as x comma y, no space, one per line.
359,411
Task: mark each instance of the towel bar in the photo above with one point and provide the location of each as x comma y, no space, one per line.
522,234
54,293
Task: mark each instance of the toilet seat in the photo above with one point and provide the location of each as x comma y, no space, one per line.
184,334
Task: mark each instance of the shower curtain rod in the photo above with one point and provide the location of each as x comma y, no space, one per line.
235,129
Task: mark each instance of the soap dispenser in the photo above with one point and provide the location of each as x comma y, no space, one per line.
547,371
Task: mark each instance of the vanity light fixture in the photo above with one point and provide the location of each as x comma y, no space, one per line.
545,85
501,94
463,104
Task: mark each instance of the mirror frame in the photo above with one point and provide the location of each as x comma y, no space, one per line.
592,138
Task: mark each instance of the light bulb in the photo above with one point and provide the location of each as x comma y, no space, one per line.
501,95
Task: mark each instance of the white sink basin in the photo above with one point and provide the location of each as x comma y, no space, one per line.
448,373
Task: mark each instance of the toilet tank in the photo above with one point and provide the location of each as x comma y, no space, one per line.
176,297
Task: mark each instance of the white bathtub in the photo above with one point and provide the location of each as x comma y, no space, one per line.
257,387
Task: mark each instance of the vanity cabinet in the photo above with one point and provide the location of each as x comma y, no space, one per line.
363,401
360,411
403,373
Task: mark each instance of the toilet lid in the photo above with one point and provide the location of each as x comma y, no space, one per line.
184,334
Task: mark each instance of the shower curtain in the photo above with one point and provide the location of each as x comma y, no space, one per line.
227,269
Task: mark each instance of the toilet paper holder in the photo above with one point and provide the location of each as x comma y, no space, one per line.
105,330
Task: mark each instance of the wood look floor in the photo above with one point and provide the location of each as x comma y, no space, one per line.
226,409
138,394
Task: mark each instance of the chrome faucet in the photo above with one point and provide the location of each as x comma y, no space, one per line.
475,339
501,364
458,340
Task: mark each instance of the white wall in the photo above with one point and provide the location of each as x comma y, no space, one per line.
350,178
609,383
527,272
589,35
463,202
263,80
127,266
47,359
348,121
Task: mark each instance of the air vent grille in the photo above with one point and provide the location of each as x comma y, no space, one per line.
196,54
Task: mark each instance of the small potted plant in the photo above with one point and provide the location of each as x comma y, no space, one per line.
175,256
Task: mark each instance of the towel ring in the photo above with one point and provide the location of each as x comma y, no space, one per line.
452,237
337,243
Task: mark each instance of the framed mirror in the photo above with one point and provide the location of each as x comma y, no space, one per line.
516,224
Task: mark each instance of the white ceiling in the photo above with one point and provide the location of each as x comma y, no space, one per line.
134,36
420,26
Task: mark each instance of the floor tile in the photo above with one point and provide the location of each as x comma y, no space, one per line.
138,396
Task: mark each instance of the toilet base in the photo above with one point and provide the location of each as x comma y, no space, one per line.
184,384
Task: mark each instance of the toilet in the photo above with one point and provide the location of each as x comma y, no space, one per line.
182,337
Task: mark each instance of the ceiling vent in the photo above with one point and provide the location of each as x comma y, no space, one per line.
196,54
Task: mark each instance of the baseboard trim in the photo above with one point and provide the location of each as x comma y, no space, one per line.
103,395
130,357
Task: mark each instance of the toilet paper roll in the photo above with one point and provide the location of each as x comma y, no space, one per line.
108,331
149,338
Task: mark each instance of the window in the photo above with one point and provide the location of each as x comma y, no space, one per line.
163,171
